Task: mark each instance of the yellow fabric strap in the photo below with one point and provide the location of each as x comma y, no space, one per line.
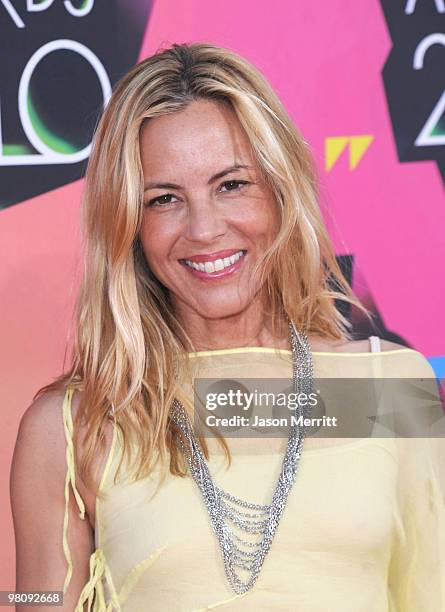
94,589
70,478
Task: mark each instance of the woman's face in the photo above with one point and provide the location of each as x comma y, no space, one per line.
208,216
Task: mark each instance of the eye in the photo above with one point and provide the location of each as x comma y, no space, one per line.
163,200
234,185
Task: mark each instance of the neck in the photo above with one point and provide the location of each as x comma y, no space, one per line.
252,327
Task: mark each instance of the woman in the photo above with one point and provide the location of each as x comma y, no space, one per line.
206,255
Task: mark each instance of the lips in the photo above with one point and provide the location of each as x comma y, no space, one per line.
203,257
215,265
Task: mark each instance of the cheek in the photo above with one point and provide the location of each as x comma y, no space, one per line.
273,219
263,220
157,239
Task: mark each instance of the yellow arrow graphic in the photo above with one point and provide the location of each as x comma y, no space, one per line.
335,145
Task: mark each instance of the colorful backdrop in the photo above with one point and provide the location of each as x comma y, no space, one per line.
364,81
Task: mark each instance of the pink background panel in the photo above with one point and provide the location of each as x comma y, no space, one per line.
324,59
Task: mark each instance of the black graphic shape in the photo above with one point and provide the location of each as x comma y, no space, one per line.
414,79
64,97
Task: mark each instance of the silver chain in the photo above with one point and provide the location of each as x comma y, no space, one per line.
228,512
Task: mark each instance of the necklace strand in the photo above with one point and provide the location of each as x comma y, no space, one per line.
226,511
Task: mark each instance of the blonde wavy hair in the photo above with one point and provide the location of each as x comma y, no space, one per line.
129,349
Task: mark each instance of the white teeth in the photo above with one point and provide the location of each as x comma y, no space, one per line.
214,266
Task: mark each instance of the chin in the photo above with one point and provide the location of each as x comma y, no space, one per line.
221,309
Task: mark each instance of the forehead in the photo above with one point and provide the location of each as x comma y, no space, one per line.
203,138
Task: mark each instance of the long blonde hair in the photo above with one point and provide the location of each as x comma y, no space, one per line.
129,347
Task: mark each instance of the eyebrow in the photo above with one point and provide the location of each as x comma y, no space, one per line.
214,178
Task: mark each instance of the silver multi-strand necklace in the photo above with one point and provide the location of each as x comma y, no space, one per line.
228,512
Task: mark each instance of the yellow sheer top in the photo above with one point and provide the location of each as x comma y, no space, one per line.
363,528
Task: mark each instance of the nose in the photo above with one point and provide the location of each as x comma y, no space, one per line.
205,223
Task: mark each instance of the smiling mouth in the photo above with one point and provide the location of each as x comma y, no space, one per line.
216,265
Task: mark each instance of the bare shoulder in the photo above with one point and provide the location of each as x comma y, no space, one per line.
42,434
41,430
42,424
387,345
351,346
